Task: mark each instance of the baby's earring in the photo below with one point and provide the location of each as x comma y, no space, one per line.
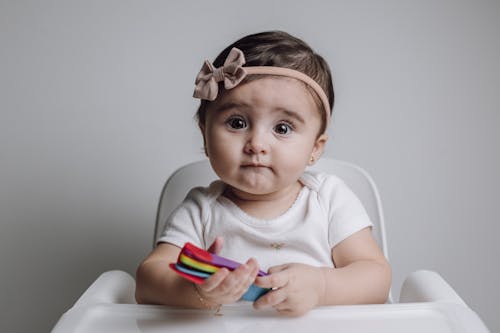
312,159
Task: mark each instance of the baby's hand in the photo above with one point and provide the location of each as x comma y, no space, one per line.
297,288
225,287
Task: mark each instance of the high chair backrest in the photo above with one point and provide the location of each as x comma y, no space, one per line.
201,174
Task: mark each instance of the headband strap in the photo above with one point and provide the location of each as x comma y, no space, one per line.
233,72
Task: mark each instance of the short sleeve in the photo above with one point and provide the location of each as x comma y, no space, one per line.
185,223
346,213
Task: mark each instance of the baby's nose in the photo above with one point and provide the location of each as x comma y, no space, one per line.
257,143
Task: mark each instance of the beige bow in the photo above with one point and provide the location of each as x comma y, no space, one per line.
231,73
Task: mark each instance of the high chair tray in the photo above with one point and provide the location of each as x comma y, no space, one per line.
436,317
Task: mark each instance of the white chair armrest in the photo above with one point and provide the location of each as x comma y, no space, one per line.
427,286
110,287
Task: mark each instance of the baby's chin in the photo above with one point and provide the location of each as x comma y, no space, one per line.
256,193
248,191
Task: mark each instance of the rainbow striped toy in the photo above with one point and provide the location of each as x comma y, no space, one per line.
196,264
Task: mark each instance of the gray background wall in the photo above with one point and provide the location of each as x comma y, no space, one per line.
96,113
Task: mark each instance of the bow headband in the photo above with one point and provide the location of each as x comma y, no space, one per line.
233,72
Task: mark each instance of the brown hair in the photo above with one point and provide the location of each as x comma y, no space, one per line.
279,49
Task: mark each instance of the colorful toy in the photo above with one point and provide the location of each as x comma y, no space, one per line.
196,265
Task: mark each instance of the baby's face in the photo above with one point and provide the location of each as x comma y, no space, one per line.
260,135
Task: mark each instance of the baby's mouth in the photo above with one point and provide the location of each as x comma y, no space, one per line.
255,166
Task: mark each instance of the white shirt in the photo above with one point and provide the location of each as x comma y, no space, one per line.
325,213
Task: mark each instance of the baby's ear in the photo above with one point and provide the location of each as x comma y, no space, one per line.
319,147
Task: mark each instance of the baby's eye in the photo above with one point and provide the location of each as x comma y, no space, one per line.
236,123
283,128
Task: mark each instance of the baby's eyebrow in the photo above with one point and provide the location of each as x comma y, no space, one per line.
231,105
244,106
292,114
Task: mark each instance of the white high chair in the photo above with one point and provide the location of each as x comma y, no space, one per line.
427,302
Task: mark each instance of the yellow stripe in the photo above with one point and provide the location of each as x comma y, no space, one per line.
198,265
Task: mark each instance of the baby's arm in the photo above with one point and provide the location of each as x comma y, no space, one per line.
362,276
156,283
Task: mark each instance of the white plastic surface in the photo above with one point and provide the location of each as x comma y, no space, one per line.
100,309
427,286
387,318
111,287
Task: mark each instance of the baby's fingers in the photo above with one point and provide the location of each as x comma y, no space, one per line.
216,246
244,276
228,286
273,281
215,280
272,299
